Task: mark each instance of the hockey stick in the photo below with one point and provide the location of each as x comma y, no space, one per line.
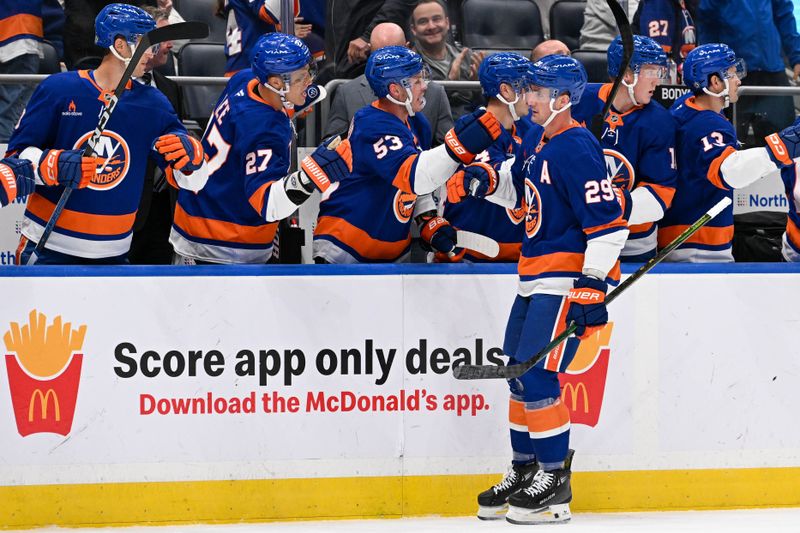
515,371
478,243
626,34
172,32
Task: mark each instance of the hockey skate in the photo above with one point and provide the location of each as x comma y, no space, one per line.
545,500
493,502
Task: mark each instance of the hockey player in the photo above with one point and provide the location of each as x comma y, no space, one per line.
247,20
504,80
638,140
791,237
574,231
16,180
710,164
96,224
367,217
234,219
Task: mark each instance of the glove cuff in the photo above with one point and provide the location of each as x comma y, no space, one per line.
456,150
431,226
777,151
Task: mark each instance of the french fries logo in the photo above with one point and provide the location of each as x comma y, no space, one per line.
43,364
583,384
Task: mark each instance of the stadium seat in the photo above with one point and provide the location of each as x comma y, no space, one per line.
49,64
201,59
566,21
595,62
498,24
204,11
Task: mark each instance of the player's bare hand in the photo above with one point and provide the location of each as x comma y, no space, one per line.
301,30
166,5
358,50
455,66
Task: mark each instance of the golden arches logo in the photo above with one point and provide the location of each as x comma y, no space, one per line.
44,400
574,393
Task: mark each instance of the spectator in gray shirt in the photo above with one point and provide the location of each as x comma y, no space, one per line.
355,94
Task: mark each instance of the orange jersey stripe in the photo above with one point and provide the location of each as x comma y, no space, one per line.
548,419
257,198
710,236
81,222
359,240
557,262
641,228
713,170
20,24
618,223
218,230
664,193
402,180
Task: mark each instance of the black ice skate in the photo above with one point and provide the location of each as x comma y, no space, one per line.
493,502
545,500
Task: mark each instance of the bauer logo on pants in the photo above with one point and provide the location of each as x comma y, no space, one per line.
584,382
44,371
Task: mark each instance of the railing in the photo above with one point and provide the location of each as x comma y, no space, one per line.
314,127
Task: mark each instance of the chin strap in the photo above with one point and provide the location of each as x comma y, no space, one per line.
125,60
630,87
408,103
554,112
725,93
511,108
287,85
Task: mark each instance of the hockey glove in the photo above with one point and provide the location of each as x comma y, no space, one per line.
440,237
332,161
587,305
68,168
182,152
783,146
16,179
471,135
478,180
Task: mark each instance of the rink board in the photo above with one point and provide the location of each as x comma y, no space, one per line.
332,395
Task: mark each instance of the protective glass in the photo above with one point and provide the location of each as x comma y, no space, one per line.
739,69
423,76
304,76
540,94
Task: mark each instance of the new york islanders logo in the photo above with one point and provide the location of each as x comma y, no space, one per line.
533,209
43,364
404,205
115,158
516,216
618,169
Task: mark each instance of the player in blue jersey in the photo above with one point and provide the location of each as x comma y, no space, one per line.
574,231
791,237
367,217
16,180
710,164
638,140
247,21
504,79
234,218
96,224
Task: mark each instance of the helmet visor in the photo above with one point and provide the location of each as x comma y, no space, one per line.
738,69
540,94
653,72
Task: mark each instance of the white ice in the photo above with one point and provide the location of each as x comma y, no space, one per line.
739,521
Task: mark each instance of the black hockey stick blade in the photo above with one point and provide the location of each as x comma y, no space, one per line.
515,371
171,32
624,26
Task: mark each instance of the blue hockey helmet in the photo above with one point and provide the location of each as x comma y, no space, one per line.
391,64
121,20
560,74
503,67
645,52
708,59
278,54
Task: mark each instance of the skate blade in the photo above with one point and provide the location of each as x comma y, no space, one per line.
554,514
492,513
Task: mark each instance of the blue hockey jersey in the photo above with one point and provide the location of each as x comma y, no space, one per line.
704,139
247,142
639,150
63,113
247,21
367,217
791,239
568,201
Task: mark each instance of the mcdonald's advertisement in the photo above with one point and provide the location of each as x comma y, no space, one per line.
189,377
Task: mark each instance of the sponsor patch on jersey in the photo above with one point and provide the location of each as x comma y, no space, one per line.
115,159
533,209
72,110
404,205
618,169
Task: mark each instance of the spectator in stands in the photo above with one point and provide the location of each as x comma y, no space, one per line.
759,31
548,48
150,244
348,28
356,93
430,25
599,27
20,46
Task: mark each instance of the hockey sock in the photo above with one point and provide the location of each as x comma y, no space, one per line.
548,425
521,444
